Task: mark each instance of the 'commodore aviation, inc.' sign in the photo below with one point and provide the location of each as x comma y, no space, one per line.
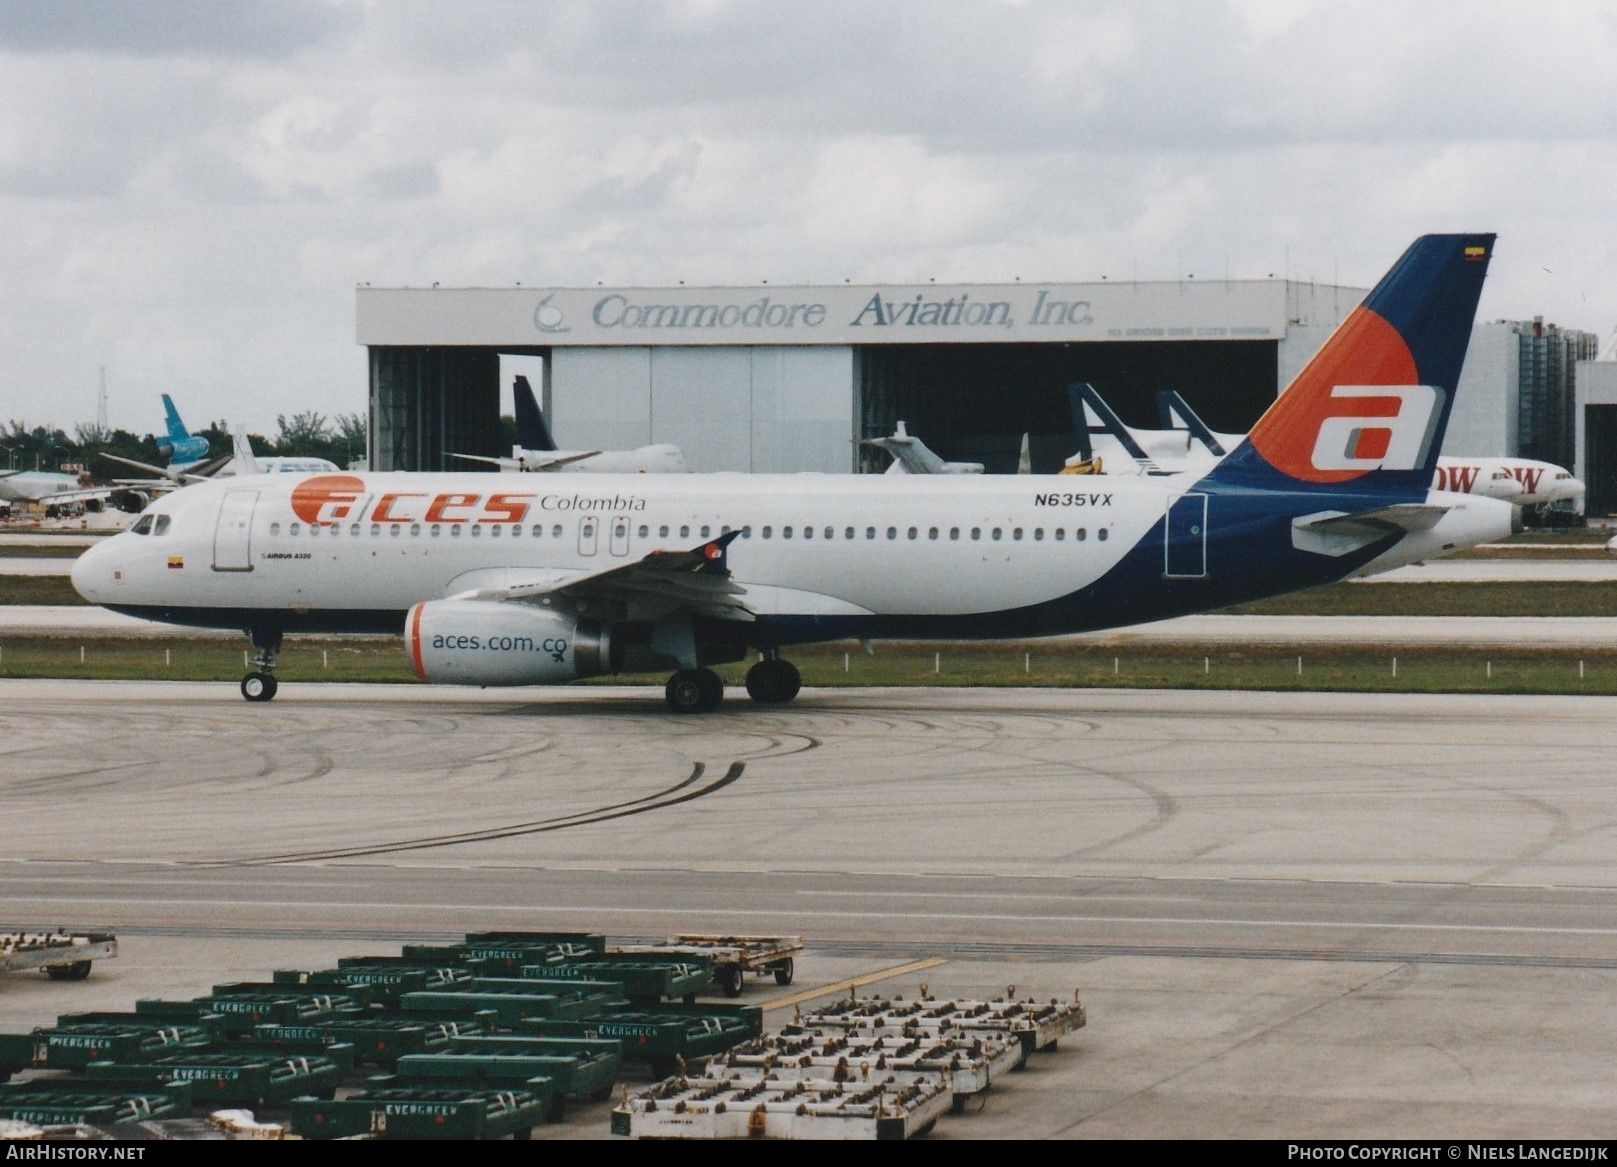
847,315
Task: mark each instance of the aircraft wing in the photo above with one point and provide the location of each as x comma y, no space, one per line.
62,497
660,583
198,473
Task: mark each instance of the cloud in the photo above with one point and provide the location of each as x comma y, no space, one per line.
192,192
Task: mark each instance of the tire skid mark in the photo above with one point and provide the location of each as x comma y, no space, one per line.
672,796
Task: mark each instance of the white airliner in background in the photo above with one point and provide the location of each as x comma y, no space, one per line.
499,582
49,489
1186,444
536,452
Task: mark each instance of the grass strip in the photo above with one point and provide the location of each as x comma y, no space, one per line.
1045,664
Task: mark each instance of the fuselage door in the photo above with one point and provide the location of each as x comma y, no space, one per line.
1185,538
586,535
620,535
232,537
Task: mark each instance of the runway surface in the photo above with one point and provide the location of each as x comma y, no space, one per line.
1289,915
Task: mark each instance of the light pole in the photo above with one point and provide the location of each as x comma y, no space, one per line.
11,456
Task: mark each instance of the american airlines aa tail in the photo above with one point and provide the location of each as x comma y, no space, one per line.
492,582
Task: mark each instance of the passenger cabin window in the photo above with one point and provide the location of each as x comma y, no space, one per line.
1101,534
870,532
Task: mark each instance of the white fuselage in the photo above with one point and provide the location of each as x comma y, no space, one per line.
814,545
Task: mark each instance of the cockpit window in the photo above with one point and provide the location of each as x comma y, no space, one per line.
143,526
162,525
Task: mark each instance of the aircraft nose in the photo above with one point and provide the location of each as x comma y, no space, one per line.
92,572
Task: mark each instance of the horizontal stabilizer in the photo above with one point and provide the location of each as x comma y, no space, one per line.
1340,533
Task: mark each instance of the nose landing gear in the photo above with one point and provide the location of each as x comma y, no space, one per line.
260,685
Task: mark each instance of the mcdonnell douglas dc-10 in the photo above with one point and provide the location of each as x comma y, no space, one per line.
497,583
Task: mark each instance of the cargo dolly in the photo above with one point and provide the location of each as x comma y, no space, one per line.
733,957
1038,1025
968,1063
699,1108
60,954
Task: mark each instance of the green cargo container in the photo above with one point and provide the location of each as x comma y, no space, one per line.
117,1037
248,1079
244,1004
385,978
376,1041
515,999
446,1113
79,1103
644,976
581,1067
664,1035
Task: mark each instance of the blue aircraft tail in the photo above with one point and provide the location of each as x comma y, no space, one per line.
1368,412
532,433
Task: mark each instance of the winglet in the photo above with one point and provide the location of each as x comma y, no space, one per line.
715,553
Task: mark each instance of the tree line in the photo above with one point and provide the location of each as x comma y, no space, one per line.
340,439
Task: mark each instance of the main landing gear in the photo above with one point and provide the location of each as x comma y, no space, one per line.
260,685
771,681
694,691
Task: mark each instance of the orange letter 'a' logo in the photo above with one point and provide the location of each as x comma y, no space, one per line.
326,498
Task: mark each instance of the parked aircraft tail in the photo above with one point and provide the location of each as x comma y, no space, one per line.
179,445
532,432
1371,407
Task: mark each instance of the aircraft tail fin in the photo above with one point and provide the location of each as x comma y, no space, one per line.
532,432
1091,415
176,427
1371,407
1172,408
244,460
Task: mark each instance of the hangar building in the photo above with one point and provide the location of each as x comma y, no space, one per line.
792,378
780,379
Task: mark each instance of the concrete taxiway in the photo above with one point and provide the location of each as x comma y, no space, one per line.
1288,915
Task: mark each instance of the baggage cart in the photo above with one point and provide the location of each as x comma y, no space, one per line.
61,954
733,957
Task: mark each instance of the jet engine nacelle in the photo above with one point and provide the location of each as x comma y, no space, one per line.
491,642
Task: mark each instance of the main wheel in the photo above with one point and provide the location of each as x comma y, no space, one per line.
732,980
694,691
783,971
258,686
773,682
712,688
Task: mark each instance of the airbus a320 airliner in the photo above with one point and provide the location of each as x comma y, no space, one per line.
496,583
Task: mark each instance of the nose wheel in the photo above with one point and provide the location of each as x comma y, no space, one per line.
694,691
260,684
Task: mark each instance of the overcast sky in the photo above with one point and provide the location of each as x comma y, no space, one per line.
190,192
